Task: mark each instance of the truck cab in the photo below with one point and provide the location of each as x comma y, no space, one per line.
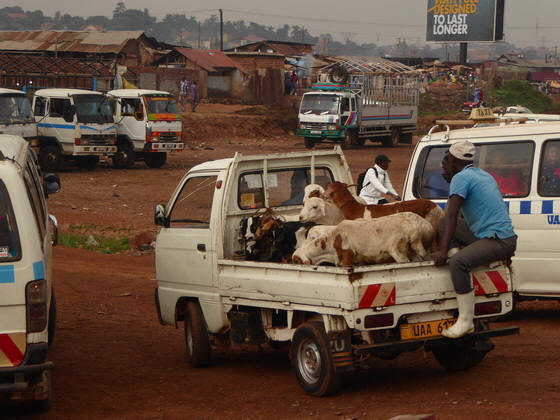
27,302
148,126
16,115
73,124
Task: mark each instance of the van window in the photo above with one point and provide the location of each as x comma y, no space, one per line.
36,199
510,164
10,249
549,171
193,206
285,187
58,106
40,106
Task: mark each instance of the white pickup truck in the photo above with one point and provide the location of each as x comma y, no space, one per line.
334,318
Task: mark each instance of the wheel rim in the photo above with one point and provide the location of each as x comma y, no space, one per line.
122,157
190,344
50,159
309,361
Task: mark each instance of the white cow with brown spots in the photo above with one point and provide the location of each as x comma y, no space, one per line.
401,237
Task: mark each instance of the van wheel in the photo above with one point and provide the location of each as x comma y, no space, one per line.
463,357
124,158
309,142
52,320
199,352
87,162
312,360
50,158
155,160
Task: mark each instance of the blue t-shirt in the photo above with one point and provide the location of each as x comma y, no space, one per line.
483,206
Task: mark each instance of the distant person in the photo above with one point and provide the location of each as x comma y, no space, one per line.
194,96
509,180
293,82
550,178
377,184
183,91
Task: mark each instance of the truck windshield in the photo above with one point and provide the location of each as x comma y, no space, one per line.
15,109
319,104
93,109
161,104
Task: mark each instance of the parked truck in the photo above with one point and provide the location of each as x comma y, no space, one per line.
149,126
73,124
360,98
334,319
16,116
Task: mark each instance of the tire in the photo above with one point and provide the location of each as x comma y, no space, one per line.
360,141
52,320
309,142
199,351
124,158
406,138
456,358
312,361
50,158
349,140
155,160
392,141
87,162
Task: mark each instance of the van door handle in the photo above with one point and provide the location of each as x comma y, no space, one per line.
201,247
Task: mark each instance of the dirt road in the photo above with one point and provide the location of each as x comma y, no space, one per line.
113,359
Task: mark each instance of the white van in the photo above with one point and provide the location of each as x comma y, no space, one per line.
73,123
525,161
27,303
148,126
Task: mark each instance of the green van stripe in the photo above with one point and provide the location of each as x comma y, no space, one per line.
38,270
7,274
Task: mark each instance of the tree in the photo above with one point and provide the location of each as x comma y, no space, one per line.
119,8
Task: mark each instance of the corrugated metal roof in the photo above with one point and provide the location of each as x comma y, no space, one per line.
40,65
71,41
210,60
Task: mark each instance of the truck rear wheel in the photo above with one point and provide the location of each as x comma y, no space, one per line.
155,160
124,158
199,351
462,357
50,158
394,140
309,142
312,361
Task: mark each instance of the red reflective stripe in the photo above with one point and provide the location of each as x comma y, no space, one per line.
498,281
478,290
8,347
392,297
369,295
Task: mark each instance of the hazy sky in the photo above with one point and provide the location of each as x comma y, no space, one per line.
534,22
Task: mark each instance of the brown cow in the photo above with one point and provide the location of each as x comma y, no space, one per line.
338,193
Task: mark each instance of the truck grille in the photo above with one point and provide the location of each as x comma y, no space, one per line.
168,136
98,139
316,126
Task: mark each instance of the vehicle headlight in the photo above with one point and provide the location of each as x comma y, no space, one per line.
302,126
331,127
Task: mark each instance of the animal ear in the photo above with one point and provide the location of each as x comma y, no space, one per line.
315,193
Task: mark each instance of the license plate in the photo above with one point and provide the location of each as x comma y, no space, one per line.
425,329
315,131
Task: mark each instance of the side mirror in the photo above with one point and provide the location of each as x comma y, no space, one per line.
69,112
159,216
51,184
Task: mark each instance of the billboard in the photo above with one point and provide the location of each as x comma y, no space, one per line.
465,20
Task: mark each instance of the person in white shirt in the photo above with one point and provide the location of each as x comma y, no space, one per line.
377,184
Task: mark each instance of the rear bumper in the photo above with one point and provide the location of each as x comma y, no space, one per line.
430,343
18,378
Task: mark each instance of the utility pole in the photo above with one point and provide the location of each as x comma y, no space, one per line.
463,53
302,35
221,30
198,46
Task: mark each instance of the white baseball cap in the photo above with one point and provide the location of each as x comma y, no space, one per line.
463,150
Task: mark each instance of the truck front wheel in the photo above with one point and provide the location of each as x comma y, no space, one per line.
50,158
124,158
463,357
309,142
155,160
312,361
349,139
199,351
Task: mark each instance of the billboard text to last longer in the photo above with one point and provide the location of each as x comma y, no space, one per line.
465,20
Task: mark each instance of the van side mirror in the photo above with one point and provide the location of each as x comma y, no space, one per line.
51,184
159,216
69,112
